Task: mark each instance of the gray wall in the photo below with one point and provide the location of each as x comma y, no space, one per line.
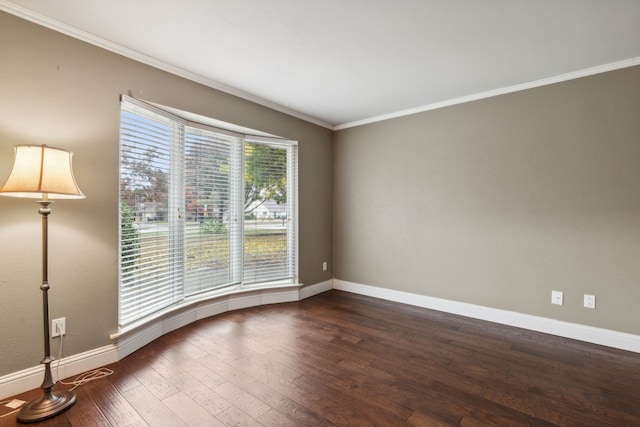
62,92
499,201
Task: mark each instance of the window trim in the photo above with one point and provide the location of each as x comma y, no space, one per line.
208,295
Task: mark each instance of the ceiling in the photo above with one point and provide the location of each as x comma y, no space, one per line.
341,63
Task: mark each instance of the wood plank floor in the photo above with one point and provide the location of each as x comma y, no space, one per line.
344,359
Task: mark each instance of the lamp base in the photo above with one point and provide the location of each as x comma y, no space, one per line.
49,405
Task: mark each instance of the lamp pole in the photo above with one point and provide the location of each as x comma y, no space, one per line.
51,403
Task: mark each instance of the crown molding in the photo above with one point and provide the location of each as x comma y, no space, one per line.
496,92
92,39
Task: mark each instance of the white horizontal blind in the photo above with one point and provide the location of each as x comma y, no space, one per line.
209,168
150,270
185,189
269,231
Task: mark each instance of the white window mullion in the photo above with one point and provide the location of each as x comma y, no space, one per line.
292,211
236,242
176,208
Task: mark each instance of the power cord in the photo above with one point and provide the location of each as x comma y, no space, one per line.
78,381
8,403
84,377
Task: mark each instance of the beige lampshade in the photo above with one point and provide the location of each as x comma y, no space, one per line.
42,172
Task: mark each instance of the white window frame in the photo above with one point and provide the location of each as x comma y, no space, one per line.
176,220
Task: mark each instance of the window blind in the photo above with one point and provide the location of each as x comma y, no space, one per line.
210,210
201,209
150,271
269,232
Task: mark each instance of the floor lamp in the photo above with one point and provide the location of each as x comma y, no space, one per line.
44,173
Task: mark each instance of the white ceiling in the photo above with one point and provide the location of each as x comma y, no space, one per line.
340,63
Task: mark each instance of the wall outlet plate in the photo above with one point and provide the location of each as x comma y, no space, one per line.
58,327
589,301
557,297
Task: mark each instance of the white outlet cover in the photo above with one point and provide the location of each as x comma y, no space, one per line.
557,297
54,329
589,301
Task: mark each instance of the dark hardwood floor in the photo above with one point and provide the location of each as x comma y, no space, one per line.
344,359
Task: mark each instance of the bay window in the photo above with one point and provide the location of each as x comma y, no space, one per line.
202,210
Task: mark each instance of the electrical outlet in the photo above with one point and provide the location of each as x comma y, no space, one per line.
589,301
324,266
556,297
58,327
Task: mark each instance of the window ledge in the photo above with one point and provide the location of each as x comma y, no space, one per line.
209,304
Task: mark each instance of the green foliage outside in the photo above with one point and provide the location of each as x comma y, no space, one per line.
130,238
144,181
213,227
265,176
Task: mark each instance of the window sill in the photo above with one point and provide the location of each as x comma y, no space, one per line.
209,304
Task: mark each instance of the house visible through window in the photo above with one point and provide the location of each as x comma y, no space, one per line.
201,210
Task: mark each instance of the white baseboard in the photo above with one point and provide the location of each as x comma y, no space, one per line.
30,378
318,288
126,343
606,337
